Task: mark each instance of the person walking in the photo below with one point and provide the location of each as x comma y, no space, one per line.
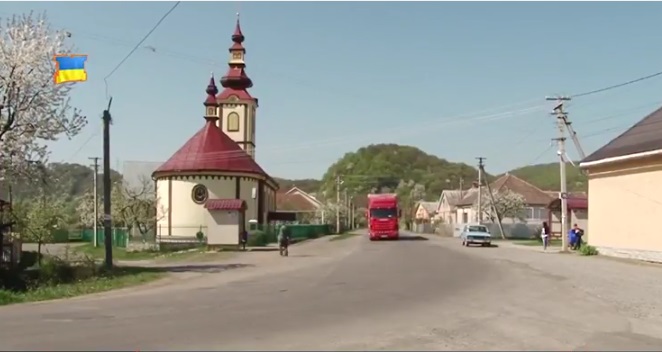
243,239
544,235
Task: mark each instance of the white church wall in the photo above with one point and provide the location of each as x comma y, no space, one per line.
187,216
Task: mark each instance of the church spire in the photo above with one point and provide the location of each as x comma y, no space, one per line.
211,91
236,77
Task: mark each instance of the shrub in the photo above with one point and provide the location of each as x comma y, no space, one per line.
28,259
200,235
257,238
585,249
54,271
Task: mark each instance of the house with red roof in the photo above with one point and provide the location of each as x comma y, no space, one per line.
213,183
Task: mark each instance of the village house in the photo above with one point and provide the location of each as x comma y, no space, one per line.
295,200
535,203
425,212
624,192
447,205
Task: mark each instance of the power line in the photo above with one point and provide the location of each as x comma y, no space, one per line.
137,46
600,90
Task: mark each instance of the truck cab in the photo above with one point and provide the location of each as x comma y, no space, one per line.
383,215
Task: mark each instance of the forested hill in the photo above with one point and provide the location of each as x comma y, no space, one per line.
396,168
547,177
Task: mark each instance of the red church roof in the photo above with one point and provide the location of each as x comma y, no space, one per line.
211,150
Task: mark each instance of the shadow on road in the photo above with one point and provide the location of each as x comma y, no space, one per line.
412,238
300,255
196,268
263,249
490,246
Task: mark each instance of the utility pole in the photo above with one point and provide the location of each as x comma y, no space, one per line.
494,207
346,205
107,225
96,201
562,115
480,187
564,192
338,183
562,123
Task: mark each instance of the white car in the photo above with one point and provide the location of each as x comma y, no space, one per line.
476,234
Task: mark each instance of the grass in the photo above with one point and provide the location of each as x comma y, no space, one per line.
120,277
196,254
552,243
118,253
343,236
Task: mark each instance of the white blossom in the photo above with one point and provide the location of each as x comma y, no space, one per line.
507,203
33,109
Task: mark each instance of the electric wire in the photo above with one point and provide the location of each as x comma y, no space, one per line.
105,79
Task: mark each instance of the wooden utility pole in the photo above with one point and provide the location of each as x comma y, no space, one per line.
338,183
563,194
562,123
107,224
480,187
494,207
96,201
346,205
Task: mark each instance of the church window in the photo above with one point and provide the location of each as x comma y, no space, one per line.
233,122
210,111
233,98
199,194
236,55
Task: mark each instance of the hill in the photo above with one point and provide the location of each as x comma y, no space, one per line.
547,177
308,185
406,170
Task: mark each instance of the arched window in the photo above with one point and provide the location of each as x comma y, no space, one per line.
233,122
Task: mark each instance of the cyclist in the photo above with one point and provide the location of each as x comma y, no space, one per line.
283,239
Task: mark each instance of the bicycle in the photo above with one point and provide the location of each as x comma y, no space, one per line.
283,248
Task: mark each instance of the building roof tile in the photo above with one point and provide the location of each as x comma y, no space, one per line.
211,150
644,136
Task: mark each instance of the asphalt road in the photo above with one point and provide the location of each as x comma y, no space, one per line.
359,295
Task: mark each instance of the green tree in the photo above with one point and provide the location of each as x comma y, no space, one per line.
38,220
383,167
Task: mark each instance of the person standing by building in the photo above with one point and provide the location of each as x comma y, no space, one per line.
578,234
544,235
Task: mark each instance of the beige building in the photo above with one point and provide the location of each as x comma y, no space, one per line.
625,193
212,183
447,209
425,212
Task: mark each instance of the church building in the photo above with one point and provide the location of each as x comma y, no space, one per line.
213,183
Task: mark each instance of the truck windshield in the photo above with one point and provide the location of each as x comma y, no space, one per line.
384,213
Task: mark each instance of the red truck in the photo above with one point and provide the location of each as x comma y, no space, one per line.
383,216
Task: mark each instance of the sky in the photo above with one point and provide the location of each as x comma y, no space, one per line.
458,80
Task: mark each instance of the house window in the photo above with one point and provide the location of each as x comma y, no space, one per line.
535,213
465,218
233,122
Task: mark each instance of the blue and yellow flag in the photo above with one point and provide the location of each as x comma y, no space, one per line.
70,68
